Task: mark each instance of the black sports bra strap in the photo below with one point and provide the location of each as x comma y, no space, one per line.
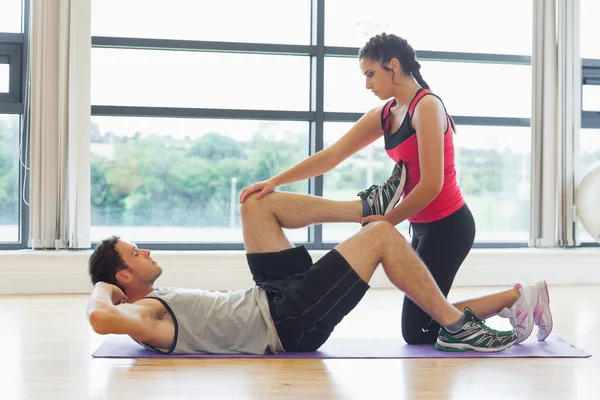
385,116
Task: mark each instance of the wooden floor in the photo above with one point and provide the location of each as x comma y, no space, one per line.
46,347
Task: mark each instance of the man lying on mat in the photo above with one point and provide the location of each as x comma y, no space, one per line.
296,303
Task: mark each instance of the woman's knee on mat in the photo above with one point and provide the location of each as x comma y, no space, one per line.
416,334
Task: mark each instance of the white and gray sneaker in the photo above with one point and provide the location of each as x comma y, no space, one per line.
542,316
531,308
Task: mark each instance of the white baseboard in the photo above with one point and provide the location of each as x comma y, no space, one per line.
42,272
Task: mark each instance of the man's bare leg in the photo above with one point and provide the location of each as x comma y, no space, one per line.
381,242
263,219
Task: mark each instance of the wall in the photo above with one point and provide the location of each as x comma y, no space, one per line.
37,272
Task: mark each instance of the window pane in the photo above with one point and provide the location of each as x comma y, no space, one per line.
10,16
467,26
487,90
183,177
9,178
494,172
493,165
344,87
4,78
590,29
225,20
589,149
590,98
589,154
369,166
207,80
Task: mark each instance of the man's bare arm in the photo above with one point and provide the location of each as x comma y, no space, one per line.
108,314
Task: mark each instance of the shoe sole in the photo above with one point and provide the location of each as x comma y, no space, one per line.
458,347
545,298
398,193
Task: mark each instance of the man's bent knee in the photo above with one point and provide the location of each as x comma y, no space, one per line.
383,229
252,204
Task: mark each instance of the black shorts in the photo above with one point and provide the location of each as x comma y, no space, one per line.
306,300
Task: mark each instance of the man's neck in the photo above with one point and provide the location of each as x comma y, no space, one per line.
135,294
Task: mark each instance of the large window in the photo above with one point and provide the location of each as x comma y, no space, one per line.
464,26
178,180
193,102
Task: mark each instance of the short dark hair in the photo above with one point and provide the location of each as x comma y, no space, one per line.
105,262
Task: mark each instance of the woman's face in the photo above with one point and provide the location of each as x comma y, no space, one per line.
377,79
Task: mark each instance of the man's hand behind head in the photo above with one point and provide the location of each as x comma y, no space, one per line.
116,294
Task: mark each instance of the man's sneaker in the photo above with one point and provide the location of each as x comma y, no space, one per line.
474,335
382,199
531,308
542,316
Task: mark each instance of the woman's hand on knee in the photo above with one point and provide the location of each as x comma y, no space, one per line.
264,188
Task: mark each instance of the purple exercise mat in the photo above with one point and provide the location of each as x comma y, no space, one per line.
553,347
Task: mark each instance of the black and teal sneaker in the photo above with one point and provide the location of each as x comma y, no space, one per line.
383,198
474,335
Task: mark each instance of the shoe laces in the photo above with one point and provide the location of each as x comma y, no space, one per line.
393,176
477,320
366,193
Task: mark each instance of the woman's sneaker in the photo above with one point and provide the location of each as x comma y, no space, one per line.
474,335
542,316
531,308
520,314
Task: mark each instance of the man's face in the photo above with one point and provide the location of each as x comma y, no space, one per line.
142,269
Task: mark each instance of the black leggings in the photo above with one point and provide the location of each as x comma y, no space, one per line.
442,246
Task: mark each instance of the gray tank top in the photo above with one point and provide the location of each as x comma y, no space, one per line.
218,322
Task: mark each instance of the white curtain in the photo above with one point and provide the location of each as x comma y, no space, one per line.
60,124
555,121
569,117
